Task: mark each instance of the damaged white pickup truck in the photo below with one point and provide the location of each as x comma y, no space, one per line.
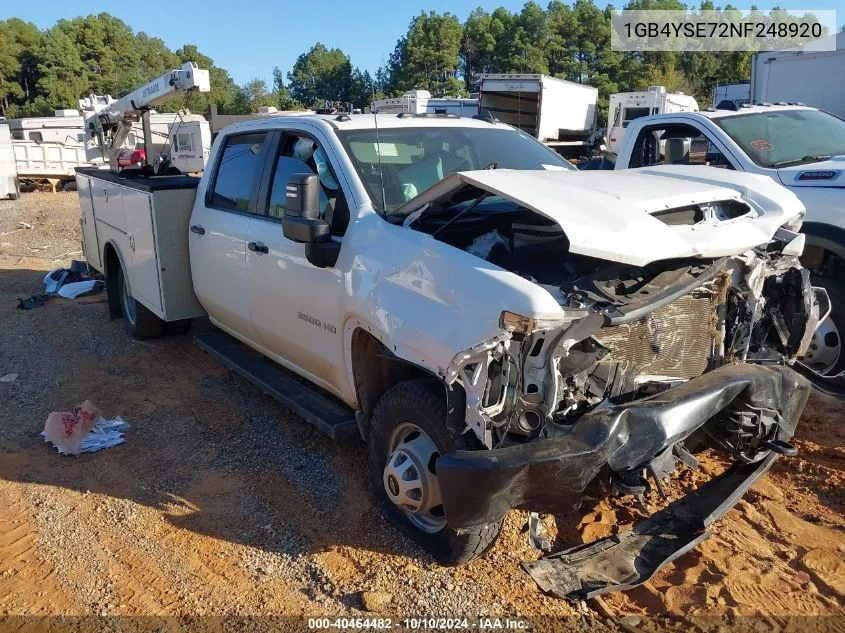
507,330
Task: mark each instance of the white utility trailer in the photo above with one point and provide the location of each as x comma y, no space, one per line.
561,114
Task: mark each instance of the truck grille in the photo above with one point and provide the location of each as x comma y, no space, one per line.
675,340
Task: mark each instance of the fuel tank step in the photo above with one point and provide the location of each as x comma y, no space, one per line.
309,402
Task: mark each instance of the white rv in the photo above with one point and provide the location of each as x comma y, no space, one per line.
421,102
625,107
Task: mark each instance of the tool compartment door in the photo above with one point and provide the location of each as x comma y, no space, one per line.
144,281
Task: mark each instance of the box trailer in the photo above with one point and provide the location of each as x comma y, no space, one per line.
737,93
561,114
804,75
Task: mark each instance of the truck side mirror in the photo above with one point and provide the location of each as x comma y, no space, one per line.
302,222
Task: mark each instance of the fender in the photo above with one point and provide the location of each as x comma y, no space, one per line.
406,365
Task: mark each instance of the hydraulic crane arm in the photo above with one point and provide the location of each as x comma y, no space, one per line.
112,119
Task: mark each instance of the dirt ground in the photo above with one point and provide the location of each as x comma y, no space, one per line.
222,503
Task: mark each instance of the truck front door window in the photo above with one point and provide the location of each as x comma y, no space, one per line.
303,155
237,170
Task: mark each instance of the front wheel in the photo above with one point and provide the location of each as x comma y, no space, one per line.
140,322
407,435
826,355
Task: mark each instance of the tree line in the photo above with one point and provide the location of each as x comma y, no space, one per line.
41,71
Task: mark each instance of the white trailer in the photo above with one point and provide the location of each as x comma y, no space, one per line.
625,107
66,126
561,114
802,75
8,173
737,93
51,148
421,102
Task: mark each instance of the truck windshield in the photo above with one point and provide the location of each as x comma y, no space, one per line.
782,138
397,164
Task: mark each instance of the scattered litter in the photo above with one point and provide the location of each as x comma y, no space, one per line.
35,301
24,225
68,283
9,378
483,245
83,430
58,277
79,288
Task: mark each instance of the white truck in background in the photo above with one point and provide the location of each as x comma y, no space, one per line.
804,75
624,107
560,114
799,147
421,102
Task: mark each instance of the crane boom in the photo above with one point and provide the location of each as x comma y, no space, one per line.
111,119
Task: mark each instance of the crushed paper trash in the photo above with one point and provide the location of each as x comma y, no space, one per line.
103,434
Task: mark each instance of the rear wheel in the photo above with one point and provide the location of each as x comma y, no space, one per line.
826,355
140,322
407,435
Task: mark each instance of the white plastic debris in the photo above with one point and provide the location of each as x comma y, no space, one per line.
8,378
103,434
79,288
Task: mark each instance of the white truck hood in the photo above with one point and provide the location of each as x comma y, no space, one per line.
608,214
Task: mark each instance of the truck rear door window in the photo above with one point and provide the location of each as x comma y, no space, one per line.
238,167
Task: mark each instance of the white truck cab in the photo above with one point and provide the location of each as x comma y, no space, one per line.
624,107
493,323
799,147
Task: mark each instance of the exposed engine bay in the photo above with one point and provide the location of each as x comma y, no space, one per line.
680,313
630,331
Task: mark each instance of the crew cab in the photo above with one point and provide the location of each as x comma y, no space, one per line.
801,148
502,330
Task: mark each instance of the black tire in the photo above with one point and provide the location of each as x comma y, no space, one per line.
421,402
177,328
837,319
139,321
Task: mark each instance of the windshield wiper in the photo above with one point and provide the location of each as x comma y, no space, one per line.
463,211
809,158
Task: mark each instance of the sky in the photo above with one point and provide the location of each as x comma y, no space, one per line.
249,37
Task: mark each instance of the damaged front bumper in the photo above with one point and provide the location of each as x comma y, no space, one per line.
550,474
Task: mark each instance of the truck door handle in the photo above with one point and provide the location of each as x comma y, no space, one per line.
258,247
197,229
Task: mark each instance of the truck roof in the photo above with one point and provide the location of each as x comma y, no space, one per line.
714,113
365,121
